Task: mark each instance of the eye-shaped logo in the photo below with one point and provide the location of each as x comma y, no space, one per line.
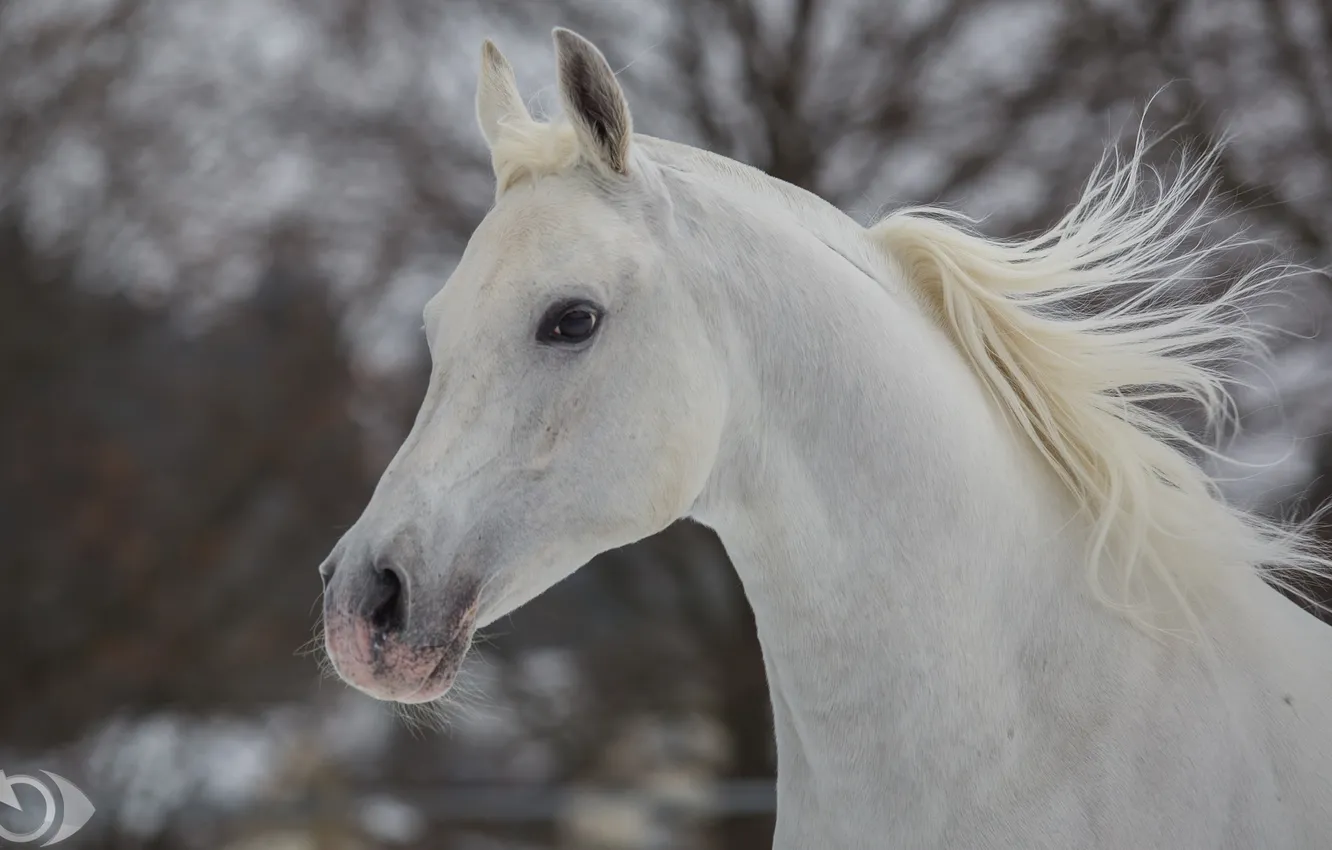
75,809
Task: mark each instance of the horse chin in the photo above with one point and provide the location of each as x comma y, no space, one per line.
441,678
451,656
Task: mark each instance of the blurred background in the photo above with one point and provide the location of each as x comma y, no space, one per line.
219,220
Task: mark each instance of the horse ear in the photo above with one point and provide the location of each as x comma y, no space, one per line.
593,100
497,97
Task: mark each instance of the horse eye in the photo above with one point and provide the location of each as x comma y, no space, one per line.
569,323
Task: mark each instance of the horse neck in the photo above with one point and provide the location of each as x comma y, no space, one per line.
912,568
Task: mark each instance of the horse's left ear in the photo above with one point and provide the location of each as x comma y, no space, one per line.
593,100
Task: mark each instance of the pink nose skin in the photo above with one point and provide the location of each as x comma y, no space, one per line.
386,666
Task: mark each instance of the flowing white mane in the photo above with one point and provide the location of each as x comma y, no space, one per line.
1081,334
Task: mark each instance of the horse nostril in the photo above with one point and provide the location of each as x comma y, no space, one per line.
326,573
386,606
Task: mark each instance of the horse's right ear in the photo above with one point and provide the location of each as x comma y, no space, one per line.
497,97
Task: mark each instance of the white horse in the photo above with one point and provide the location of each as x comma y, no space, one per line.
999,603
